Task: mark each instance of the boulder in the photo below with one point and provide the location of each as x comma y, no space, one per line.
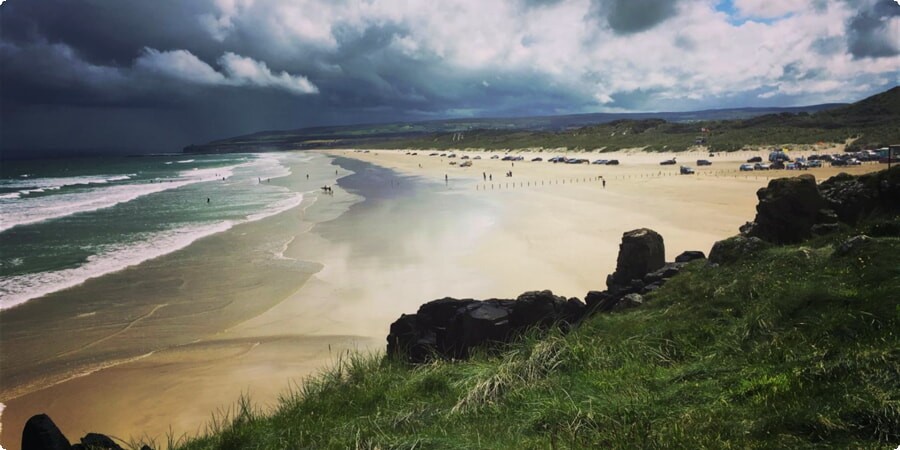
848,196
734,248
96,441
690,255
787,210
642,251
667,271
850,245
479,323
449,327
629,301
40,433
536,308
600,301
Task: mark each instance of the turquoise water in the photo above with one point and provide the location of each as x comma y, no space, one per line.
64,221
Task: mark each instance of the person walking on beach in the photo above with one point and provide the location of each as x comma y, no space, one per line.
484,175
446,179
207,199
491,177
604,183
307,176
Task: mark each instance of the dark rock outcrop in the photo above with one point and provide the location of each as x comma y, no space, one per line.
642,251
450,328
96,441
734,248
787,210
690,255
40,433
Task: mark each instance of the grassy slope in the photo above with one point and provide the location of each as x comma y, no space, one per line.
793,348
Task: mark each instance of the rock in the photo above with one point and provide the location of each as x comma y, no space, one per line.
642,251
573,311
600,301
787,210
664,273
629,301
852,244
650,288
40,433
734,248
96,441
479,323
536,308
449,328
848,196
690,255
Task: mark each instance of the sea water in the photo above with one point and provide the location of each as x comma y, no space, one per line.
64,221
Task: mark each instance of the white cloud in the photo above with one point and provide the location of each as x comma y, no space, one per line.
247,71
178,64
239,71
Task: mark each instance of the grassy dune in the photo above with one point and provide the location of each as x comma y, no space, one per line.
794,347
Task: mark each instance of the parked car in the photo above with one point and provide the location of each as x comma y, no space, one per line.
853,162
477,157
495,157
761,166
433,154
557,159
704,162
443,154
668,162
779,165
452,155
685,170
814,163
755,159
538,159
600,161
612,162
466,164
838,162
746,167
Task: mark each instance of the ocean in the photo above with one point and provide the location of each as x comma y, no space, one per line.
63,221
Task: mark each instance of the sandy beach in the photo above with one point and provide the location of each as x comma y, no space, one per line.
159,347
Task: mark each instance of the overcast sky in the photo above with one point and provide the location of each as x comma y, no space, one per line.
156,75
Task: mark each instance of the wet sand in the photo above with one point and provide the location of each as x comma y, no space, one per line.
267,303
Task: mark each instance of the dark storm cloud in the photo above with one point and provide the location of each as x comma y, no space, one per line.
868,32
633,16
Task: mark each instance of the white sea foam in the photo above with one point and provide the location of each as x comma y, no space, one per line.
58,182
15,290
185,161
23,211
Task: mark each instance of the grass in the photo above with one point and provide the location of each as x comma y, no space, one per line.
796,347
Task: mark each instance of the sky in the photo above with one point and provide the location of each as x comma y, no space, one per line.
154,76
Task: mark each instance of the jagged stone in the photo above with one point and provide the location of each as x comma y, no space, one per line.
734,248
787,210
629,301
450,328
40,433
690,255
642,251
96,441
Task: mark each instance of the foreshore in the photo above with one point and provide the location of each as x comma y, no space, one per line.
332,274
